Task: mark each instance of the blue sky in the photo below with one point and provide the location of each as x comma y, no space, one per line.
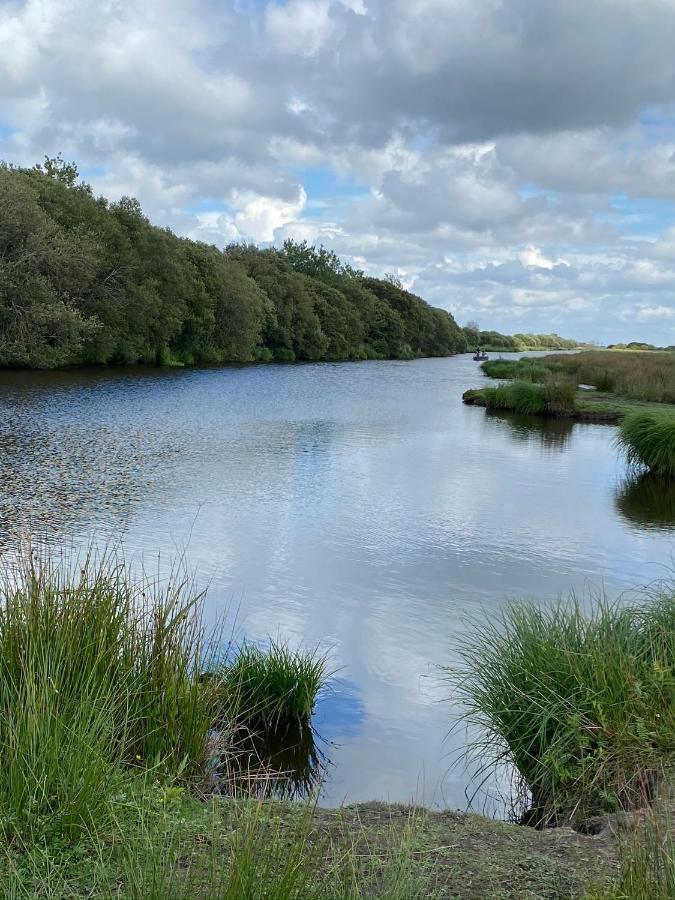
512,162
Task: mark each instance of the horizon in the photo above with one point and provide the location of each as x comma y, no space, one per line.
509,162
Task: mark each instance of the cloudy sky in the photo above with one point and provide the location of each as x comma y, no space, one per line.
511,160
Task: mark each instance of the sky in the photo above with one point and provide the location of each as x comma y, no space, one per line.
512,161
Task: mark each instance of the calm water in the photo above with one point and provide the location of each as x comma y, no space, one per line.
358,507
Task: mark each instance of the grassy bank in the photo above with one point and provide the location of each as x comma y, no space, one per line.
592,386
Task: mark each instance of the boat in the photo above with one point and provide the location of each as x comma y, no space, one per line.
480,357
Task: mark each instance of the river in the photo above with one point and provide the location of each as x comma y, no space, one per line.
356,507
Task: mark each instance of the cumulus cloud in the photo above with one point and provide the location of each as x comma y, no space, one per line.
512,161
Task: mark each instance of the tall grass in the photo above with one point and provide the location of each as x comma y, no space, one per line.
647,857
276,687
517,396
526,369
95,673
101,673
581,706
555,398
636,376
648,439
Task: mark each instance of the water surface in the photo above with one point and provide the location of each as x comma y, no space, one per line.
361,508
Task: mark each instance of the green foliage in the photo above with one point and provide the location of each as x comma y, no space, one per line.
581,706
648,439
560,394
85,281
647,858
276,687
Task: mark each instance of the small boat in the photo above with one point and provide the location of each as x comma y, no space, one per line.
480,357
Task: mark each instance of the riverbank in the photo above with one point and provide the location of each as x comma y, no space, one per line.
591,386
167,844
589,406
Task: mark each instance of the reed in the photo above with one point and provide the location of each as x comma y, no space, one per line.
580,706
275,688
648,439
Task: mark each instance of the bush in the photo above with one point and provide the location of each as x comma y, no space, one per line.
648,439
581,707
284,354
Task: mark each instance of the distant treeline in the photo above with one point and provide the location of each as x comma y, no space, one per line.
85,281
516,343
639,345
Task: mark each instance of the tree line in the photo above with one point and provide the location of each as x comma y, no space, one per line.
86,281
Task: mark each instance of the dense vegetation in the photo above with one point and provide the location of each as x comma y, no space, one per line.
87,281
580,705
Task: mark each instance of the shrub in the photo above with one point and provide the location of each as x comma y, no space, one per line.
648,439
284,354
581,707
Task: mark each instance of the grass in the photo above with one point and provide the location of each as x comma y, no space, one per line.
276,687
632,376
101,673
581,707
647,862
555,398
648,439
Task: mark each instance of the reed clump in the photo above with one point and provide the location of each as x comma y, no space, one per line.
554,398
275,687
579,703
648,439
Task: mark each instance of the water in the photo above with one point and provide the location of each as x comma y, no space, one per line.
361,508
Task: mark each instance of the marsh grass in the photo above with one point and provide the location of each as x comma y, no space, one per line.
581,705
96,673
648,439
526,369
636,376
554,398
102,673
275,687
